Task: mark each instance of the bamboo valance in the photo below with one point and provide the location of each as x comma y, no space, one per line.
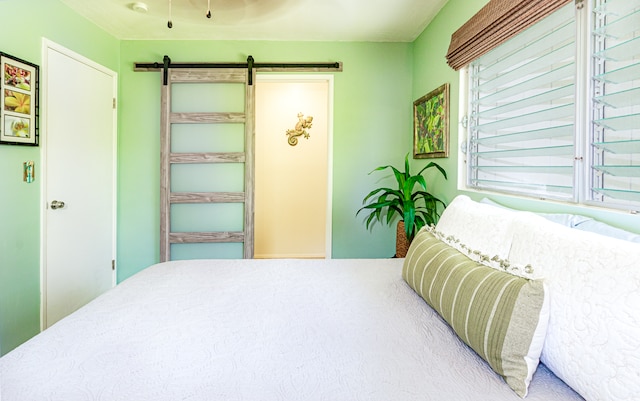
493,25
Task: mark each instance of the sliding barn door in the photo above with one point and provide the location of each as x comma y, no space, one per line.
207,163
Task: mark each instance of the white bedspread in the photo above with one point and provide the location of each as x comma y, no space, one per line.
258,330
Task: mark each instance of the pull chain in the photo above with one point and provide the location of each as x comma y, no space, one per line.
170,24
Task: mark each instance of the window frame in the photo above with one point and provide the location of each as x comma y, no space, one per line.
583,134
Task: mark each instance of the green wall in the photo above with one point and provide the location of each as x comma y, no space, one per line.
21,37
372,126
430,71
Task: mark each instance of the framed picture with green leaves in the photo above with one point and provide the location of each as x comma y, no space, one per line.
431,124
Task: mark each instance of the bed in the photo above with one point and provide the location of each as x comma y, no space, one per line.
342,329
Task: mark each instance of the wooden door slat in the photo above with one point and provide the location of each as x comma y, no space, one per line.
229,157
207,197
207,118
206,237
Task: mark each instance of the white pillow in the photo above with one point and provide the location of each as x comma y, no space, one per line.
605,229
579,222
566,219
593,338
478,226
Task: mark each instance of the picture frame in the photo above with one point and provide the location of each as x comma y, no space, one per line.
19,112
431,124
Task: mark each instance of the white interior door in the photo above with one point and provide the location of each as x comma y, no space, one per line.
78,185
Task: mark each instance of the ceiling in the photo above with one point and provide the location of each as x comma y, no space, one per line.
282,20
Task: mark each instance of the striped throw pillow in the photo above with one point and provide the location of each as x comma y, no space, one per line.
502,317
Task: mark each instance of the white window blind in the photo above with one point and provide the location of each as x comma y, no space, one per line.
615,133
522,112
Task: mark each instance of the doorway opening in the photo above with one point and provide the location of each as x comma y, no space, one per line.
293,183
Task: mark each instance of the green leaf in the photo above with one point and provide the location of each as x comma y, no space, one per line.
415,207
436,165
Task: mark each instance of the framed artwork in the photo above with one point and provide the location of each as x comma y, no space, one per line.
431,124
19,102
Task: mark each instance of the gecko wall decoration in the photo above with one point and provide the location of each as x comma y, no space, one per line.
300,129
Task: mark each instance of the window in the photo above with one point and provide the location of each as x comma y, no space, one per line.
539,126
615,139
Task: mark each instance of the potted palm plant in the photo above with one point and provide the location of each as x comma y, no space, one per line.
415,208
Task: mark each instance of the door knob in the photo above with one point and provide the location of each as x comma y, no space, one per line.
55,204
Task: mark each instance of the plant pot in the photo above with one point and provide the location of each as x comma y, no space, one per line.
402,243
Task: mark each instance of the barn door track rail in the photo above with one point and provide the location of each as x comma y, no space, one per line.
250,65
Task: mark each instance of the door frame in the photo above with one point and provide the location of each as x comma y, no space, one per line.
46,46
328,78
